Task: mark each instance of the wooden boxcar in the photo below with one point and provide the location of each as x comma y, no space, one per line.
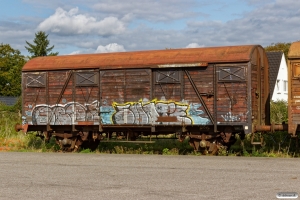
294,89
208,94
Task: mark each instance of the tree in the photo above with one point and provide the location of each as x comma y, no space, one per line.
11,63
279,112
40,46
280,46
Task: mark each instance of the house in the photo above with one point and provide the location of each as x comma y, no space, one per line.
9,101
278,76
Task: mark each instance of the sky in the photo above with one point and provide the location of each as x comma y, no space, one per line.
100,26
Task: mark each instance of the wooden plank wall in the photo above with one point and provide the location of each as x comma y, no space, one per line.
204,81
32,96
137,85
121,86
133,85
294,96
56,83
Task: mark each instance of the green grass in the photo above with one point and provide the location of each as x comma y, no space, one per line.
161,146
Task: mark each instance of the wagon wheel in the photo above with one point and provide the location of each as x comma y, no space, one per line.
45,135
91,141
91,144
215,149
211,149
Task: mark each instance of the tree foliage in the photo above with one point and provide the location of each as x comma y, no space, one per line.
40,46
279,112
11,63
280,46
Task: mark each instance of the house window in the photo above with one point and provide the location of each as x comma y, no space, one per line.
285,86
278,85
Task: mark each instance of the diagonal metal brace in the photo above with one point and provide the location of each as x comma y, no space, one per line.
199,96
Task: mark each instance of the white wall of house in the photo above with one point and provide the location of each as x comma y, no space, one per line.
281,85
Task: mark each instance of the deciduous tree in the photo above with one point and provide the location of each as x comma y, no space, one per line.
11,63
280,46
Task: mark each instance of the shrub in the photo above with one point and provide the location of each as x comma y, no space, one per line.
279,112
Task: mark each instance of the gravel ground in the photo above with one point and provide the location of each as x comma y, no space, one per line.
43,176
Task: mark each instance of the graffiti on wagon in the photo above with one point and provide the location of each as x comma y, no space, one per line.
140,112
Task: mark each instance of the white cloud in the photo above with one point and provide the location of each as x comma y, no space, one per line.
113,47
71,23
75,52
194,45
264,25
162,10
151,24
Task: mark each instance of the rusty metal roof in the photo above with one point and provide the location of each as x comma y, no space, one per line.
294,51
144,59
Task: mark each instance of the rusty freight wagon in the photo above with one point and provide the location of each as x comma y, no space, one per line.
294,91
205,94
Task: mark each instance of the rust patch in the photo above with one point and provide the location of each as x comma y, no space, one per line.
23,127
167,119
86,123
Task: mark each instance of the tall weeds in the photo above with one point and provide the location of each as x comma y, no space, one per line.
9,138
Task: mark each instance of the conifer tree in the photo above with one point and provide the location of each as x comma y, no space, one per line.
40,46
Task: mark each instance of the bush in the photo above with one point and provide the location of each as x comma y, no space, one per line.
279,112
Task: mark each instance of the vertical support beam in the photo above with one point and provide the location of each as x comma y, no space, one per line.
100,129
23,85
249,98
125,99
259,89
152,89
73,99
181,84
267,97
151,84
47,100
215,81
291,126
